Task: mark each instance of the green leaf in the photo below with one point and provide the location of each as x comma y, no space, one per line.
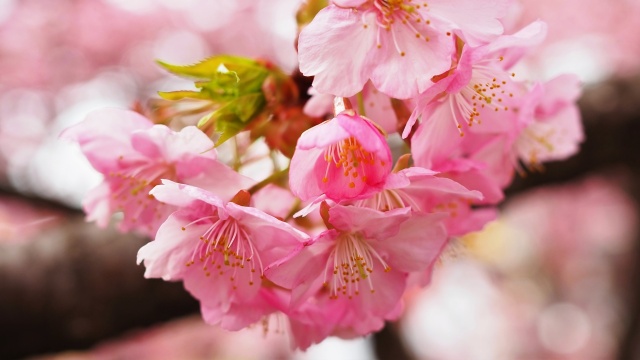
208,68
223,78
232,118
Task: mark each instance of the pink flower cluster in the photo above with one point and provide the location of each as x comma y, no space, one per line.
335,248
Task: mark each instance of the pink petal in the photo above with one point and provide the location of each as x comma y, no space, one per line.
477,20
372,223
303,271
349,3
213,176
302,180
558,92
513,47
322,135
436,139
274,239
167,255
105,134
334,49
367,135
96,205
425,99
378,108
182,195
417,245
319,104
404,77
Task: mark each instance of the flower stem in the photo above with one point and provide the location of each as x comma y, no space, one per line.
361,109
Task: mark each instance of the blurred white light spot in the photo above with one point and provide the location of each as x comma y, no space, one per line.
58,169
586,57
338,349
563,328
461,306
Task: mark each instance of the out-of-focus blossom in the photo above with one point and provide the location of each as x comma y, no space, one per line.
538,283
134,155
19,220
554,131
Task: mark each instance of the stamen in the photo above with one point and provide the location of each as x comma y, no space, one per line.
353,261
226,244
348,158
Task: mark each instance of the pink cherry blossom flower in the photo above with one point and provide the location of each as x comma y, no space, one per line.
323,316
220,250
342,158
436,145
479,85
389,42
134,155
424,192
362,263
554,131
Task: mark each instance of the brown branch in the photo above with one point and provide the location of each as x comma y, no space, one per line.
76,285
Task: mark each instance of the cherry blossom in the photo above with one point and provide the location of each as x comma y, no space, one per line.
341,158
220,250
134,155
554,131
350,42
362,262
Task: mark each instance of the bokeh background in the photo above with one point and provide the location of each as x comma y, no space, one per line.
556,277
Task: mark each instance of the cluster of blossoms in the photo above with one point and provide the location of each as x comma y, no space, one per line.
370,195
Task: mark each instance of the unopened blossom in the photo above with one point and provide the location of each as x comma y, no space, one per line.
133,154
342,158
362,262
219,250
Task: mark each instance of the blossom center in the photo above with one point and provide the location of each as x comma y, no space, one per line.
487,91
131,184
225,249
534,140
388,199
402,12
349,159
352,262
